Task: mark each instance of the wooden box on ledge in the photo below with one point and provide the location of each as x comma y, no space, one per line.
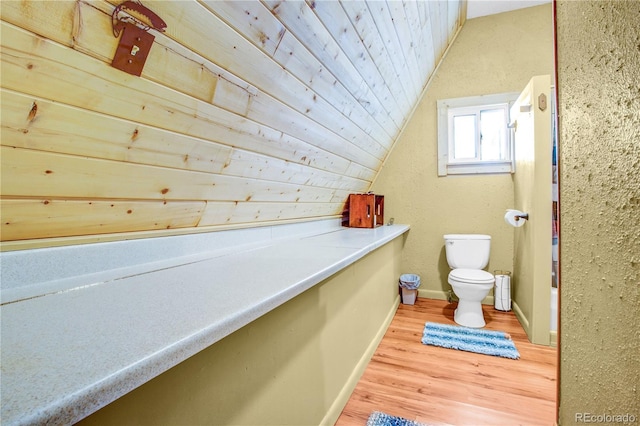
365,210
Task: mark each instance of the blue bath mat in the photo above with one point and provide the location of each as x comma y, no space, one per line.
468,339
378,418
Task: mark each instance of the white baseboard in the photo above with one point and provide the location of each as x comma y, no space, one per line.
341,400
526,325
442,295
432,294
524,321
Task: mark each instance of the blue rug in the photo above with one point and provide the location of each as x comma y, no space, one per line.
468,339
378,418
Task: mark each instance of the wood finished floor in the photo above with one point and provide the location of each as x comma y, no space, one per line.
441,386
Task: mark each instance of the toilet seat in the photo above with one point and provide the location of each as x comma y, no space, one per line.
472,276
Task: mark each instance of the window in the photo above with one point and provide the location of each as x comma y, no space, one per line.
474,135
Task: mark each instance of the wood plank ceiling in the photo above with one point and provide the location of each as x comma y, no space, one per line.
247,112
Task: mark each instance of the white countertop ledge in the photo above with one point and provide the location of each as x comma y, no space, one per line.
65,354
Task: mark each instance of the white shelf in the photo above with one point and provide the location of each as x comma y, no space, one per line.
67,353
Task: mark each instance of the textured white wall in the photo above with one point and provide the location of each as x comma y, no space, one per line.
599,107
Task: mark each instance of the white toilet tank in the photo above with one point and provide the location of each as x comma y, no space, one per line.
469,251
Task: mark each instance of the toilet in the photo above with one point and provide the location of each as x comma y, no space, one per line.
467,255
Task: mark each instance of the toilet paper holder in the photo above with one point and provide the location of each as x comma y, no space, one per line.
516,218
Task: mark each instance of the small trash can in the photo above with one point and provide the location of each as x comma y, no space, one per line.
409,284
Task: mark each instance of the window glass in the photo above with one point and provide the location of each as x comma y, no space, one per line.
493,126
464,137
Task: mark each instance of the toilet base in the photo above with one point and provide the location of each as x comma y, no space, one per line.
469,314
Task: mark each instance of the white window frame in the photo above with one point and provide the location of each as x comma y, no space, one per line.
447,167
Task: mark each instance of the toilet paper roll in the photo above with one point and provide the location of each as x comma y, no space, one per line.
510,218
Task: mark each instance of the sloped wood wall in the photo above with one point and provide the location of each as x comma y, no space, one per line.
247,112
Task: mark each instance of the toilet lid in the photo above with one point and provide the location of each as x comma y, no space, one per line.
472,276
